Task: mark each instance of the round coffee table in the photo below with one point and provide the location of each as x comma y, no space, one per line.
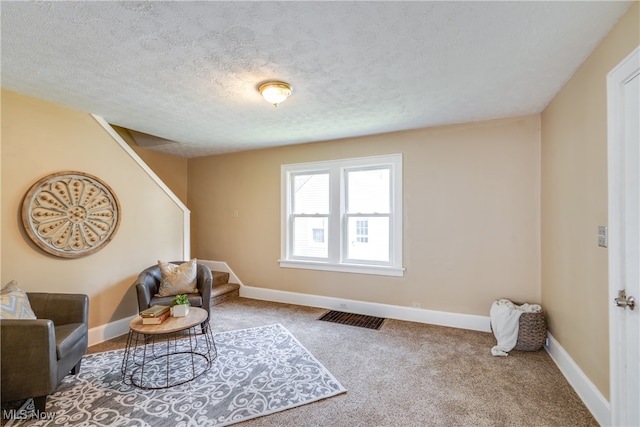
168,354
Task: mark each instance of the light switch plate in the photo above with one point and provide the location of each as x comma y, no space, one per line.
603,238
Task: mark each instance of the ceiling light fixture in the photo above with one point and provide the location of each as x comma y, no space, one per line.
275,92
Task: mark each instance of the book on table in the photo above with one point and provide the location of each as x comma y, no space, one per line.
154,311
155,320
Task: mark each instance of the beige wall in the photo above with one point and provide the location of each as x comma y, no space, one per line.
39,138
172,170
471,216
574,204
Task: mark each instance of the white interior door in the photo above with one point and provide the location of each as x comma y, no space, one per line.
623,91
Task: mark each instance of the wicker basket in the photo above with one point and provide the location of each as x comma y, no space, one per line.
532,332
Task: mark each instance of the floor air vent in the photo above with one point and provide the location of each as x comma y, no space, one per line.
360,320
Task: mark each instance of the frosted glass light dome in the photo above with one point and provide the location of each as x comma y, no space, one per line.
275,92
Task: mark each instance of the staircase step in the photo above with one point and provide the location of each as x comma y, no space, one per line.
220,278
224,292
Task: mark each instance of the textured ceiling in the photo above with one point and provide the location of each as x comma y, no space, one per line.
188,71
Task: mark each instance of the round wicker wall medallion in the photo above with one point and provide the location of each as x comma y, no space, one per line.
70,214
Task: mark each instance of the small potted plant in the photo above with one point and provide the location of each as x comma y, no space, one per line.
180,306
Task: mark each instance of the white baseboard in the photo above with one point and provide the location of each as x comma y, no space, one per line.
110,330
590,395
442,318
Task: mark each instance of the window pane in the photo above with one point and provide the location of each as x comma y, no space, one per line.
310,193
362,230
368,239
368,191
318,235
308,237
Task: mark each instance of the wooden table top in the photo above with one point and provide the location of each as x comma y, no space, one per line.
172,324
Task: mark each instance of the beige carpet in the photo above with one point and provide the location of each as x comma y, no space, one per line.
410,374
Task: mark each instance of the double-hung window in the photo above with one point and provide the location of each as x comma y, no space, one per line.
343,215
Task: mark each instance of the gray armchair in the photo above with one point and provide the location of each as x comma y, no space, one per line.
148,283
37,354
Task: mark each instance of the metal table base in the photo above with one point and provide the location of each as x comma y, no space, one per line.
163,360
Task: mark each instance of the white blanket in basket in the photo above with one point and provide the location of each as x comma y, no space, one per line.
505,318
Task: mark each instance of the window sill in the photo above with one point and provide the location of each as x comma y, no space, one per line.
343,268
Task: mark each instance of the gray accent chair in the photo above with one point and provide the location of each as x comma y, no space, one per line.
148,283
36,354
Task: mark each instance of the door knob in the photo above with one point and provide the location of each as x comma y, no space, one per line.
623,301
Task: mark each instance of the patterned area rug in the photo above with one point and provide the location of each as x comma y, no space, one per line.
258,371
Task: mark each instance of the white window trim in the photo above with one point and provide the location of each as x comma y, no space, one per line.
394,268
